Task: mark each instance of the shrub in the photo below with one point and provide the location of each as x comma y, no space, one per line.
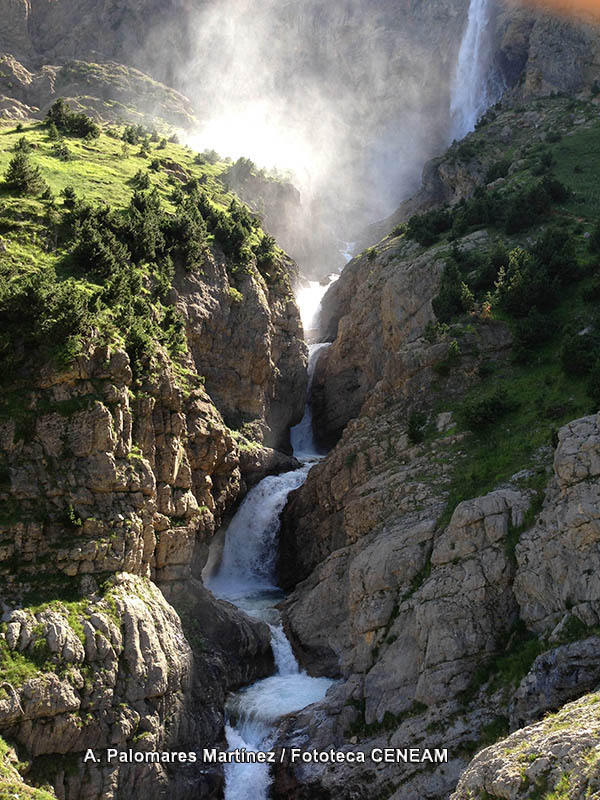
580,352
425,228
557,191
141,180
61,151
593,386
499,169
22,176
448,303
524,284
69,196
41,312
22,146
555,250
531,332
266,251
417,420
98,252
71,122
594,243
480,412
234,295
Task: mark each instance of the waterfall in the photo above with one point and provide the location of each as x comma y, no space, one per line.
474,87
301,435
246,577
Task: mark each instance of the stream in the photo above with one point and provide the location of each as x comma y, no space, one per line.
246,577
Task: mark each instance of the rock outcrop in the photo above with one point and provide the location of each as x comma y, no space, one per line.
557,557
115,670
557,757
113,481
429,623
414,619
104,90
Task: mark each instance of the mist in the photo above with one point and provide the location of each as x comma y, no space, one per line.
351,97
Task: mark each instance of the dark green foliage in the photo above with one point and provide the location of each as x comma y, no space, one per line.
69,196
557,191
526,208
266,251
23,177
132,134
594,242
487,410
498,169
449,302
530,333
71,123
593,385
97,251
452,358
141,180
22,146
425,228
526,284
545,163
39,313
580,352
555,252
230,230
487,274
71,519
417,420
61,151
186,234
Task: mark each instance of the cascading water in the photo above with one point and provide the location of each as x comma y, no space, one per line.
475,87
246,577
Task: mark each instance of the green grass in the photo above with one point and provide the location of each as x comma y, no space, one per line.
543,397
581,149
100,171
11,786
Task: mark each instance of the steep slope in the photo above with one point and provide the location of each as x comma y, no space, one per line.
423,571
155,355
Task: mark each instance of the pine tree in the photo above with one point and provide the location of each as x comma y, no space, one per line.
22,176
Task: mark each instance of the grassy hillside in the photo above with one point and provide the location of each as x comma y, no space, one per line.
94,228
538,272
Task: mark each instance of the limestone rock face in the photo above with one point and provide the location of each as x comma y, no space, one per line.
407,614
542,53
555,677
557,557
109,478
558,754
118,672
103,90
250,353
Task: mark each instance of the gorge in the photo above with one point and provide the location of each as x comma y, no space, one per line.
345,502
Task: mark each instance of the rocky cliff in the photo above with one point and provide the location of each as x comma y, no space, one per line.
534,55
121,456
442,556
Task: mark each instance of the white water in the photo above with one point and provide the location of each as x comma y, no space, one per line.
309,299
246,577
474,88
301,435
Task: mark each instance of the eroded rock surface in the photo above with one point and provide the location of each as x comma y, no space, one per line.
555,757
